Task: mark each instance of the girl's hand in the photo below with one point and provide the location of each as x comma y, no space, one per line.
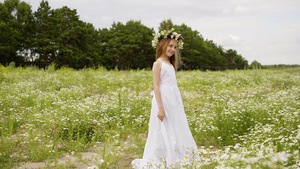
161,114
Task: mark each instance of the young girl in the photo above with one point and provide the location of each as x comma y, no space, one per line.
169,137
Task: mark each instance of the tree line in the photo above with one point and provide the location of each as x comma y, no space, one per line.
58,36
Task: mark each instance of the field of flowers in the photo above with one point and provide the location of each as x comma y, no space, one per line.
239,119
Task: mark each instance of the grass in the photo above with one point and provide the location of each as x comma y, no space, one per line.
247,118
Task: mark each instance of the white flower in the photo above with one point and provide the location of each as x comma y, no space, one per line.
101,161
248,167
224,156
93,167
235,157
203,151
251,160
166,34
271,164
236,146
298,136
280,157
260,154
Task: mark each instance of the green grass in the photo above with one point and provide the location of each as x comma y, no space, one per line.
46,114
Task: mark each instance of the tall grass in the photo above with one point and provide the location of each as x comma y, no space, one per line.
45,114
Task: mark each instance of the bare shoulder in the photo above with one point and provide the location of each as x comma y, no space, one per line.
157,65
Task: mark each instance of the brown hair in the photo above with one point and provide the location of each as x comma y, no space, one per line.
162,48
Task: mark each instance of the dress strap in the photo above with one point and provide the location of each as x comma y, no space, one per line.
164,62
160,60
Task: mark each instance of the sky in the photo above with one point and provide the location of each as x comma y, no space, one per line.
264,30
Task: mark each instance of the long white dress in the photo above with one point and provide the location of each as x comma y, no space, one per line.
171,140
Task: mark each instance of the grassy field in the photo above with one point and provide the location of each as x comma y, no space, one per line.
239,119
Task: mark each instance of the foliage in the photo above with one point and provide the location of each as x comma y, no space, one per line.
15,21
280,66
58,35
62,38
127,46
165,25
255,65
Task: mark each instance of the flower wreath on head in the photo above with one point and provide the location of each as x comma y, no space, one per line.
167,34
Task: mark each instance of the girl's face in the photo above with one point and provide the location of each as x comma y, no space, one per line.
171,48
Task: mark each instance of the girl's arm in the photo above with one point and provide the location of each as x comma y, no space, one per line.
156,74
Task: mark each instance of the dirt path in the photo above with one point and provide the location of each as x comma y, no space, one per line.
83,160
78,160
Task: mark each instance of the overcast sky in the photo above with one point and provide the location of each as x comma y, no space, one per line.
264,30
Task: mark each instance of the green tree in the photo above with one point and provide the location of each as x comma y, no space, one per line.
233,58
64,39
127,46
165,25
194,52
69,38
46,31
214,54
15,25
255,65
26,27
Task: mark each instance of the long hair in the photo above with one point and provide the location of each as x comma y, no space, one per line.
162,49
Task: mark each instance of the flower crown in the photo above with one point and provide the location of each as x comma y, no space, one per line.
167,34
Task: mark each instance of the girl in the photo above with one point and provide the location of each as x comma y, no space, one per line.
169,137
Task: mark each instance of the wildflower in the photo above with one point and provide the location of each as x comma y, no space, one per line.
93,167
235,157
271,164
168,34
260,154
248,167
224,156
244,150
220,166
251,160
203,151
298,136
280,157
236,146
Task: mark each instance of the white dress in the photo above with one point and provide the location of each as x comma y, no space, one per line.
170,140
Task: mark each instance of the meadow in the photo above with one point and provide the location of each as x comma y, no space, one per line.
239,118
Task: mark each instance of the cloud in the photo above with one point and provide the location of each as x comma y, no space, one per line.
228,41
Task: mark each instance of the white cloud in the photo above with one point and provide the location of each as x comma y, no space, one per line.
228,41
